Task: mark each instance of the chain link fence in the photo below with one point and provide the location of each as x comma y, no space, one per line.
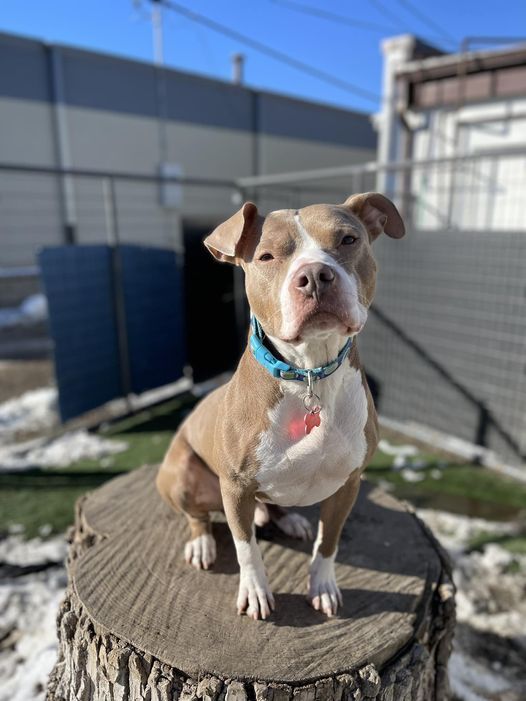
446,340
445,343
107,239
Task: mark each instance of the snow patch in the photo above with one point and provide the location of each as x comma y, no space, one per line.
28,609
409,475
451,444
14,550
58,452
404,459
32,311
32,412
472,681
395,450
489,647
456,531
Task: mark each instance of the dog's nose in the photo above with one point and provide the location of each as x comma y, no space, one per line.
311,280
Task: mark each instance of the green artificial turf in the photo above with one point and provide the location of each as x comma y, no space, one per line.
462,488
46,497
37,499
515,544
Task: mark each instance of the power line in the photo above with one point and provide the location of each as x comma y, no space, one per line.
392,16
428,21
365,25
269,51
333,16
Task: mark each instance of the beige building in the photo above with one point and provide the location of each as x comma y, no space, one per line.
68,108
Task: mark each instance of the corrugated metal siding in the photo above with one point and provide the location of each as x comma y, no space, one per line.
153,301
77,282
80,284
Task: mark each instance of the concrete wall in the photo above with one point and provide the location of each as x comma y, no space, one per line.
121,115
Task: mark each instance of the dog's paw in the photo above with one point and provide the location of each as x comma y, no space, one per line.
261,515
324,594
254,597
294,525
201,551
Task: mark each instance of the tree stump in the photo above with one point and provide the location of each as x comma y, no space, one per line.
138,623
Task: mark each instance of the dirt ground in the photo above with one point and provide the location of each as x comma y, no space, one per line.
19,376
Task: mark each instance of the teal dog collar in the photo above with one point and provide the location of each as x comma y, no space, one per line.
284,371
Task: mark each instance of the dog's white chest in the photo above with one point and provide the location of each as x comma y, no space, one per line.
298,472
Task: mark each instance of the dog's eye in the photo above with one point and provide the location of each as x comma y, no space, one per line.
348,240
266,256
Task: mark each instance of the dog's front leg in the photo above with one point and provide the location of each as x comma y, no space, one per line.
254,597
324,594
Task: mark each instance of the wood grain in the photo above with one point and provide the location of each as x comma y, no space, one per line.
137,618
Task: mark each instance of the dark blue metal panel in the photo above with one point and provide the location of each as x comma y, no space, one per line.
80,286
153,299
77,282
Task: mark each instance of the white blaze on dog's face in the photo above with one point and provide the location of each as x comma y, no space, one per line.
309,273
321,292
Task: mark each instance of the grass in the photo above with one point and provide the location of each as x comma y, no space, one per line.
46,497
460,487
38,498
515,544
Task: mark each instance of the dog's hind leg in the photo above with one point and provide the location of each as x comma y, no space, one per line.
187,484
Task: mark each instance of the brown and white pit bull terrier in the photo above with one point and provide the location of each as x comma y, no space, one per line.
261,443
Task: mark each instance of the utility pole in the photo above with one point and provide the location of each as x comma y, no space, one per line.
157,28
156,18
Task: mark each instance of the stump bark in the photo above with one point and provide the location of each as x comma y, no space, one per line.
137,623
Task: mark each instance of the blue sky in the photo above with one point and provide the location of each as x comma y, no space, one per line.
351,54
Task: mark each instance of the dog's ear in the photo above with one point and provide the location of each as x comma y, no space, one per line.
227,241
377,213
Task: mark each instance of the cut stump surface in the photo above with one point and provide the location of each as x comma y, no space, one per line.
138,621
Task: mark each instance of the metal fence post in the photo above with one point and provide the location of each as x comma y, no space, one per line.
240,303
113,235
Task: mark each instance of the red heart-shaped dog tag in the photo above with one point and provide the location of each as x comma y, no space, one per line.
311,420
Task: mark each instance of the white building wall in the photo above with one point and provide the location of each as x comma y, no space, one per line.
482,193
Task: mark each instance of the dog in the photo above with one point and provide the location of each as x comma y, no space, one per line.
296,424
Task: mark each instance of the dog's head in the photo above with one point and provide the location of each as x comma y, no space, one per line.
311,272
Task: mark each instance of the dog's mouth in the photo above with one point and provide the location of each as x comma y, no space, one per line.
321,322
